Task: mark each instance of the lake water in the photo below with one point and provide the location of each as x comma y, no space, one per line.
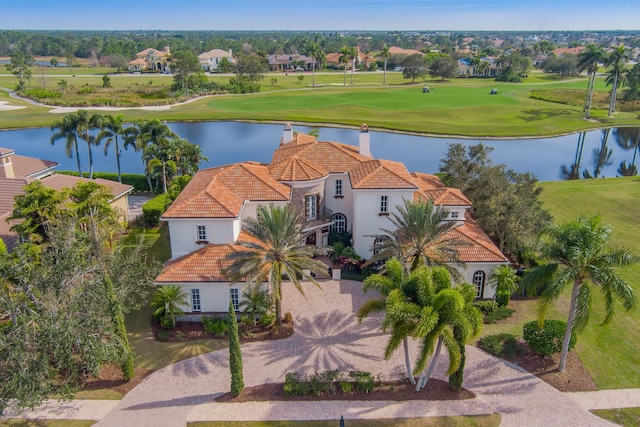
230,142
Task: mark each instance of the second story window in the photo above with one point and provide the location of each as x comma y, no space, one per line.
455,215
202,233
384,204
338,187
311,207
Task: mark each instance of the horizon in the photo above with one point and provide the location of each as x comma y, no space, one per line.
289,15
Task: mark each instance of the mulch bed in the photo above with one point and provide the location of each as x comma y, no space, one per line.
111,378
396,390
192,331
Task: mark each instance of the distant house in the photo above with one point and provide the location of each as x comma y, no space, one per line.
209,61
17,171
332,60
290,62
395,50
151,60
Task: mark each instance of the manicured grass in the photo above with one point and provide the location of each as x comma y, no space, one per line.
480,421
459,106
156,239
46,423
627,417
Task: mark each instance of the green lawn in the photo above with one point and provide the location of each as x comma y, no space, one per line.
459,106
627,417
479,421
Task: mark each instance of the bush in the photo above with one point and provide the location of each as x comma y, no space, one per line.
163,335
498,314
323,382
288,318
216,326
267,319
485,307
346,386
548,339
86,90
364,380
295,384
501,345
166,322
503,299
40,93
154,208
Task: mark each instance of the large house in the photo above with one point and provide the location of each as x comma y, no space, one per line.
17,171
338,187
151,60
290,62
210,60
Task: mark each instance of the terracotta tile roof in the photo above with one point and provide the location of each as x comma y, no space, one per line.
333,58
427,181
298,139
204,265
296,169
381,174
395,50
331,156
24,167
220,192
5,151
8,237
215,53
432,188
60,181
9,189
138,61
477,246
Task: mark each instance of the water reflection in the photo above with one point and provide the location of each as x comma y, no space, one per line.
230,142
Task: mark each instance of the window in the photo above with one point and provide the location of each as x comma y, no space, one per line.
384,204
378,244
311,207
338,187
339,223
202,233
235,300
478,282
454,215
195,300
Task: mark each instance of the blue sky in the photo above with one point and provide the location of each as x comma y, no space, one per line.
322,15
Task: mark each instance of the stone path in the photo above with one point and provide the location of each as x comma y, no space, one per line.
327,336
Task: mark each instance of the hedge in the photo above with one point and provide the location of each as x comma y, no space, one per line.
136,180
154,208
548,339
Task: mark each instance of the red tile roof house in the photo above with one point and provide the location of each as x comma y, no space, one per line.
337,186
17,171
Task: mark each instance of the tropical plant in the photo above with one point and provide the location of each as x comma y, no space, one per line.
578,255
34,209
384,54
66,129
168,301
505,281
345,53
616,59
314,50
111,128
273,251
255,301
153,138
588,61
86,124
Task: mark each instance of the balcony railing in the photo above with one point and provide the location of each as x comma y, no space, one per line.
323,215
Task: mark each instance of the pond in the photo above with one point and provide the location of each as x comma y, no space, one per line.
599,153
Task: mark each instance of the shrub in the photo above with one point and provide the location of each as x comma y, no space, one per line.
86,90
295,384
154,208
288,318
246,321
163,335
501,345
267,320
503,299
346,386
166,322
548,339
497,315
216,326
40,93
485,307
364,380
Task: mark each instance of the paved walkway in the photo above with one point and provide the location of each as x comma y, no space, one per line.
328,337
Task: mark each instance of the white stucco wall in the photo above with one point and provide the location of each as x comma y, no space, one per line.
214,298
467,271
366,218
184,234
342,205
249,208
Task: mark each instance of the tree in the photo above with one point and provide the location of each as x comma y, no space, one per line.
168,301
565,65
345,54
74,126
414,66
157,135
632,94
384,54
35,208
273,252
106,81
588,61
67,128
183,63
235,354
577,255
225,66
505,281
616,59
20,67
255,301
251,66
111,128
514,67
443,66
187,156
314,50
54,62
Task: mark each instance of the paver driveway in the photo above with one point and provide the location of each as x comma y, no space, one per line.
327,336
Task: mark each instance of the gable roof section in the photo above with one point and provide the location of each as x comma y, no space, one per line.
432,188
331,156
477,246
204,265
220,192
381,174
215,53
296,169
9,189
25,167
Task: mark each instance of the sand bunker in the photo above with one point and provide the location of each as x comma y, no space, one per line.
4,106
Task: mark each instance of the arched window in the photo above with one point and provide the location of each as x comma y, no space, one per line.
478,282
378,244
339,223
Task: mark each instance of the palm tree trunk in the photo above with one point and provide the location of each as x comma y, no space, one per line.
384,76
407,361
118,161
424,378
77,155
344,83
352,67
614,89
590,87
164,177
90,158
568,330
313,73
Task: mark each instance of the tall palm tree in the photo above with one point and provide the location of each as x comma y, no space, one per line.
168,300
616,59
384,54
628,138
315,51
187,156
85,124
401,328
588,61
67,129
353,56
112,127
274,251
578,256
155,134
344,59
420,236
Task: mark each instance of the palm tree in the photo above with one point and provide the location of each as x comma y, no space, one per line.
353,56
578,255
112,127
616,59
505,280
167,300
67,129
420,236
255,301
588,60
315,52
344,59
187,156
384,54
155,134
85,124
274,251
628,138
401,327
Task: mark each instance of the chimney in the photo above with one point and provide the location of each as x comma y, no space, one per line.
6,165
364,141
287,134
